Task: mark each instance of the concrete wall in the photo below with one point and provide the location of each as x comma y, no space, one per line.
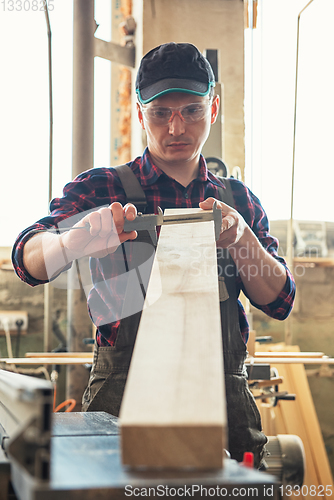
18,296
214,24
312,318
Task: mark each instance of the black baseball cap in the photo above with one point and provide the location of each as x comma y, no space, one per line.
173,67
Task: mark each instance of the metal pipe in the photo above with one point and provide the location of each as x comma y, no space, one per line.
48,289
46,11
79,325
83,86
288,332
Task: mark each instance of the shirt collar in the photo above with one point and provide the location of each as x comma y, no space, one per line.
149,173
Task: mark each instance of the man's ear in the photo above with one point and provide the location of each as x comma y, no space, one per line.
140,116
214,109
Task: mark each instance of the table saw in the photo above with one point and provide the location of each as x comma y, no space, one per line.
53,456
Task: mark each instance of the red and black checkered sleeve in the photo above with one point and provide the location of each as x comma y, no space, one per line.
88,191
250,207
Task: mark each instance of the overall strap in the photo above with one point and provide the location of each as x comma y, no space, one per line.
226,194
133,190
234,347
141,252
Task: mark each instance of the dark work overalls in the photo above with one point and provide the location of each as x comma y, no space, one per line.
111,364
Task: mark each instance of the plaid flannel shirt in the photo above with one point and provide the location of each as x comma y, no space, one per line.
101,186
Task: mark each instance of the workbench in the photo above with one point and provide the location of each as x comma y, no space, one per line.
86,464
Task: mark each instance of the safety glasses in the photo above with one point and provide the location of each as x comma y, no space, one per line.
189,113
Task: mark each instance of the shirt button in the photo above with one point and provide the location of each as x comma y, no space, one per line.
186,196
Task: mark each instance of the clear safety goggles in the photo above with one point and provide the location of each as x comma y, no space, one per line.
189,113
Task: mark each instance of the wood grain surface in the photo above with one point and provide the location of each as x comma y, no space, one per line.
173,412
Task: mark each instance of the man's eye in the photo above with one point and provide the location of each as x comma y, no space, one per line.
159,112
193,110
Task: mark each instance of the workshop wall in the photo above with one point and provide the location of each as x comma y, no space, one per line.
312,318
217,25
18,296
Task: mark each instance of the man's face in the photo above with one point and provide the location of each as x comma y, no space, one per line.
178,141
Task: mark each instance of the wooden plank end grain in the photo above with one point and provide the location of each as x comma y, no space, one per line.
171,446
173,412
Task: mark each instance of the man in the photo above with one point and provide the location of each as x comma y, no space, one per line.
176,107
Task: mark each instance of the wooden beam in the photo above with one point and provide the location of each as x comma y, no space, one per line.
61,360
259,354
59,355
115,52
305,361
173,412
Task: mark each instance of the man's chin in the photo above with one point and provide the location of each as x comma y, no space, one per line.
182,152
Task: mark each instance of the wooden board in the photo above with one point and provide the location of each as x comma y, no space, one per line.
173,412
59,355
61,360
288,354
290,360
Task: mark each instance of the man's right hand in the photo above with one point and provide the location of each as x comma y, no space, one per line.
47,253
105,232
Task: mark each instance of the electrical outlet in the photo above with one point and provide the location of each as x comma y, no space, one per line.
12,317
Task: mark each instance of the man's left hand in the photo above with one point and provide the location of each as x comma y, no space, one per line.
233,224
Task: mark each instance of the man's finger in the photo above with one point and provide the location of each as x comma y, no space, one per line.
227,223
208,205
95,223
117,211
130,211
106,222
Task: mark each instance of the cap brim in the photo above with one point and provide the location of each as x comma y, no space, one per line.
166,86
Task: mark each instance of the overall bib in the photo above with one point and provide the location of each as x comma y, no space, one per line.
111,364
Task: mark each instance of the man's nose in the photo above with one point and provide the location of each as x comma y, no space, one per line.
176,124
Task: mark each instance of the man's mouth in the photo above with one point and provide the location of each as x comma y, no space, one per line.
178,144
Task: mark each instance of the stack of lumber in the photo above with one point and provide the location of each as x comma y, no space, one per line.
298,417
